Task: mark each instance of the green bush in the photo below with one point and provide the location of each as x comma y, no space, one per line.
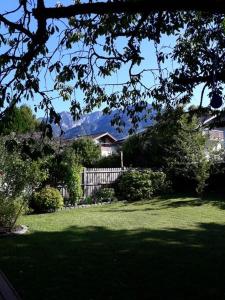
87,151
215,183
134,186
88,200
9,211
72,170
104,194
111,161
160,183
139,185
74,181
47,199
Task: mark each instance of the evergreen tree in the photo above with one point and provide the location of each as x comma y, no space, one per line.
18,120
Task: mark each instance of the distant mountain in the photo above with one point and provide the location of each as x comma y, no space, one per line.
96,122
67,122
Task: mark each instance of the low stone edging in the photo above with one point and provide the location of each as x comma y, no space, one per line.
18,230
86,205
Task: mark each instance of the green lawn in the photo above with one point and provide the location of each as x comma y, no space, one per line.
163,249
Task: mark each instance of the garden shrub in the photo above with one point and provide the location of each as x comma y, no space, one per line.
134,186
88,200
19,176
72,170
47,199
160,183
74,181
138,185
104,194
9,211
215,183
111,161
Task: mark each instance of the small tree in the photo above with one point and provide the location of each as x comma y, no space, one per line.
18,179
133,150
176,145
87,151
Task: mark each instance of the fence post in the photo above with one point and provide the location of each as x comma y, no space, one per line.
84,181
121,159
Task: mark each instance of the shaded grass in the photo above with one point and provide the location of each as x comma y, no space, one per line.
163,249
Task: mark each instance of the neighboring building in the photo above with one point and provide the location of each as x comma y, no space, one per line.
214,144
106,141
214,123
216,136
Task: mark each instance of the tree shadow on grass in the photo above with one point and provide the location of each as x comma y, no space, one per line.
97,263
116,210
157,204
215,200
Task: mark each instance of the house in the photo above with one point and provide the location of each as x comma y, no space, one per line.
215,139
216,136
106,141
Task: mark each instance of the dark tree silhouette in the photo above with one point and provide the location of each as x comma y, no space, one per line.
78,47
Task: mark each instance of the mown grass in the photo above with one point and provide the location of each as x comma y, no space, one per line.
158,249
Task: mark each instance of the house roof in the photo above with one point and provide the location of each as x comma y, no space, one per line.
97,136
214,121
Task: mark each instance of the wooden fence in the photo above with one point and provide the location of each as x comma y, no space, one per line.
93,179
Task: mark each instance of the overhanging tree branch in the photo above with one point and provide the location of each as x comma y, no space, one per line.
16,26
199,79
141,6
91,39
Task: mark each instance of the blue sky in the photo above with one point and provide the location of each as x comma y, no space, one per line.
148,53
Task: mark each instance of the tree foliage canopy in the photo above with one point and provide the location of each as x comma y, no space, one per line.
175,145
80,46
18,120
87,151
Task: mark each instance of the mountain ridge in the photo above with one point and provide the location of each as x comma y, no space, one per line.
97,122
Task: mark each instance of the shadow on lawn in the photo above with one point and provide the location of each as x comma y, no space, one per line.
96,263
218,201
168,202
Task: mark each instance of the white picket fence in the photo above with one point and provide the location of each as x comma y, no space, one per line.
93,179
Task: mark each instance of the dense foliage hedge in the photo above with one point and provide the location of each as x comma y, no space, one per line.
104,194
47,199
176,145
216,181
111,161
137,185
10,209
73,180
